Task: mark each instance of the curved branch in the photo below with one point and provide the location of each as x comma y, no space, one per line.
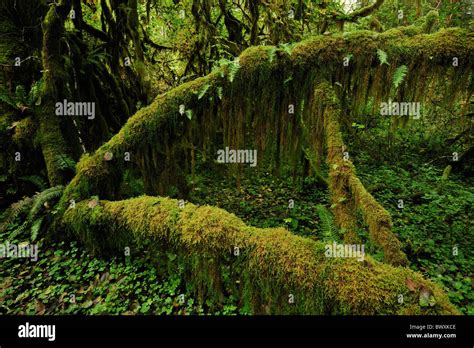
80,24
362,12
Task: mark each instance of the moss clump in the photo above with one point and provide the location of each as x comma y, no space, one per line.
25,131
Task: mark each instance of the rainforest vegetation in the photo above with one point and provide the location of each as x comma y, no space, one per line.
223,157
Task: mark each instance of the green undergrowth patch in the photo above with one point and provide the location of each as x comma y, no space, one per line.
435,224
67,280
265,200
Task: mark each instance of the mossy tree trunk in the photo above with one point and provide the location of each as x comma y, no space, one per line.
53,144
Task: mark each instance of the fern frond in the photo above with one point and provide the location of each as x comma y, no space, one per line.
35,228
19,230
399,75
382,56
329,231
8,100
287,48
39,199
272,54
15,210
233,67
36,180
65,162
203,91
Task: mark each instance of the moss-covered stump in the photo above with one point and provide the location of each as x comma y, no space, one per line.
273,271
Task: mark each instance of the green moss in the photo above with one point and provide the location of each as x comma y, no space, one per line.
52,143
24,131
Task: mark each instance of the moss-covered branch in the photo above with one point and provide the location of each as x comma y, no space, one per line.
270,266
96,175
274,263
257,74
364,11
347,192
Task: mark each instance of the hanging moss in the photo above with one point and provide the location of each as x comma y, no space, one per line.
273,264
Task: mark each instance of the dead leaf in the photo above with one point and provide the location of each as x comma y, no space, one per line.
108,156
412,286
40,307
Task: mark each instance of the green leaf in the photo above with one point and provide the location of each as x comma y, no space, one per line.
35,228
220,92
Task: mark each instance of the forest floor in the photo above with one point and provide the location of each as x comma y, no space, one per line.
434,219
